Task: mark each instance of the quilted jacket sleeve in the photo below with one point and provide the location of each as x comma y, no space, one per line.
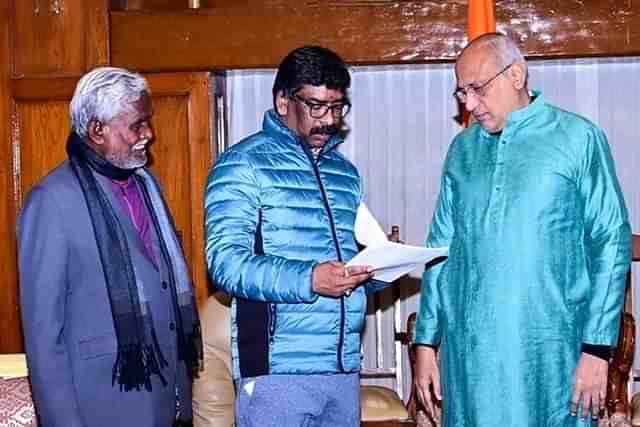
232,220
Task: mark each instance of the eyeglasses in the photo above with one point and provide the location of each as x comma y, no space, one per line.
318,110
462,93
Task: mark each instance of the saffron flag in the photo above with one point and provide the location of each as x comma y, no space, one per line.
480,20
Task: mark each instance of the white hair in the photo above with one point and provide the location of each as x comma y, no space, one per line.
102,94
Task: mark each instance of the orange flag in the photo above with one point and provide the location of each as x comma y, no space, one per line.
480,20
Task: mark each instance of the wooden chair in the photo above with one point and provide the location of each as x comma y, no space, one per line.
213,390
383,406
377,400
617,403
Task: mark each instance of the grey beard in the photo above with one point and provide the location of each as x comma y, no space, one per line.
128,163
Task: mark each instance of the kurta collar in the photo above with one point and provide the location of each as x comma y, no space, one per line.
518,117
523,114
273,125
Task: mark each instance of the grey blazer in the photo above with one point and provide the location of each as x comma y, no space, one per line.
67,321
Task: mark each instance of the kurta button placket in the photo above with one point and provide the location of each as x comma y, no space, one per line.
497,199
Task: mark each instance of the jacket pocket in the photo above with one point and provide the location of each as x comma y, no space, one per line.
97,346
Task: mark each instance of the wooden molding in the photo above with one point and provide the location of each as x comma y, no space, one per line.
11,336
252,35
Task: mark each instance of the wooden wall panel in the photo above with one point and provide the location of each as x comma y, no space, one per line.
181,157
181,4
43,127
253,33
181,122
49,40
96,47
170,159
59,37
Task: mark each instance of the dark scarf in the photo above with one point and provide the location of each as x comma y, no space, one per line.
137,359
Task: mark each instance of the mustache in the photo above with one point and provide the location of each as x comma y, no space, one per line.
324,130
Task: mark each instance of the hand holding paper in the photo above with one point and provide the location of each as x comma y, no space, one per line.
334,279
390,260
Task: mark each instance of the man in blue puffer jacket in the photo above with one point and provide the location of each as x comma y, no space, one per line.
280,212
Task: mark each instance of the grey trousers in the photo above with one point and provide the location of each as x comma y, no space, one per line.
298,401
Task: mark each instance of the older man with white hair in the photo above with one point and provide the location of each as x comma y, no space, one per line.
526,309
110,323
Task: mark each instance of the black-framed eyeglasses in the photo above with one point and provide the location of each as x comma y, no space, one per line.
462,93
318,110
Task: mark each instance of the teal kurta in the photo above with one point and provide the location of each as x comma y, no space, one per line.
539,248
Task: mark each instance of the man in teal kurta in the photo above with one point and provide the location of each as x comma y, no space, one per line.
526,309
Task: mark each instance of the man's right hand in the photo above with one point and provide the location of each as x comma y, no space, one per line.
427,376
335,279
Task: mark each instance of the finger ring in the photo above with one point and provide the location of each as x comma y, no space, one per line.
348,292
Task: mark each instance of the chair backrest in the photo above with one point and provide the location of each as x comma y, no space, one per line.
213,390
386,368
384,361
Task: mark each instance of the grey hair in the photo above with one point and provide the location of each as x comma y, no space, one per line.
102,94
505,49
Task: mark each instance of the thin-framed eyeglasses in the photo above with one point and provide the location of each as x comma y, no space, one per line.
462,93
318,110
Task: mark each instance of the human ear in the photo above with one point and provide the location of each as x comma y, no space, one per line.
518,74
282,103
95,131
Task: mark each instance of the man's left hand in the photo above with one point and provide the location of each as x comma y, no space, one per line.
590,389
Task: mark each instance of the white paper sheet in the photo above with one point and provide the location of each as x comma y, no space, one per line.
390,260
367,230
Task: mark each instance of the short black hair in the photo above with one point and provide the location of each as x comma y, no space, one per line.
311,65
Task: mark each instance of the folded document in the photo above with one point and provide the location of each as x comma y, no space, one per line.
389,260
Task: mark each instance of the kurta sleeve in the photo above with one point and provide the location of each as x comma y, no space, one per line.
232,221
607,240
42,265
428,327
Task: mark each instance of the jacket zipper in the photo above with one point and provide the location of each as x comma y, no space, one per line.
335,241
272,322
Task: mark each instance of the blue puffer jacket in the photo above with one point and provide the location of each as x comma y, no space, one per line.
272,213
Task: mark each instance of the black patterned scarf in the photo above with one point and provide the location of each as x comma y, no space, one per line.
137,358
